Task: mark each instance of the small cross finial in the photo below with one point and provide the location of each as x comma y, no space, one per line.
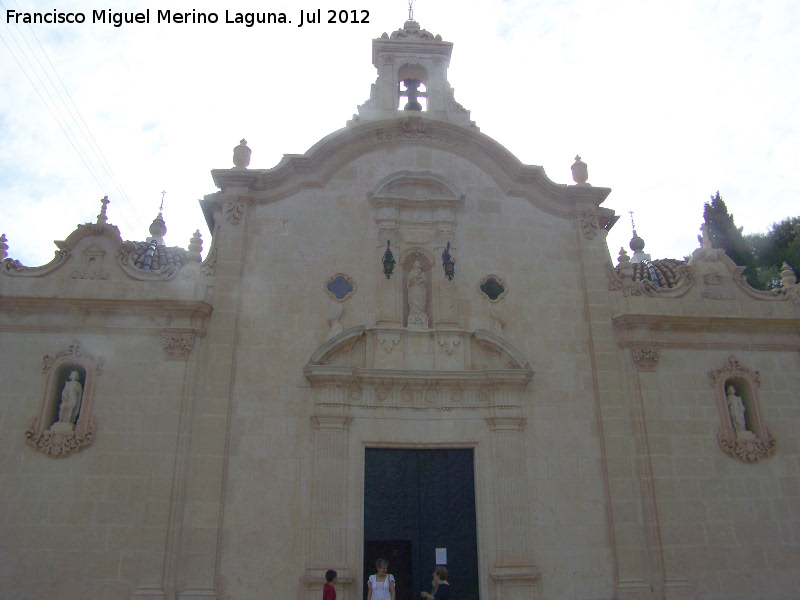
632,225
102,218
161,208
410,10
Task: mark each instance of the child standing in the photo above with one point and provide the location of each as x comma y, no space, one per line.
329,592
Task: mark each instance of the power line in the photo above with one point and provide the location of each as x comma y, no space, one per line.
95,171
93,145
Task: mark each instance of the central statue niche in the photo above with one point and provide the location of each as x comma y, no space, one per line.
416,288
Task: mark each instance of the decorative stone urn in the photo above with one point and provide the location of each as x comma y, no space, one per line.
580,172
241,155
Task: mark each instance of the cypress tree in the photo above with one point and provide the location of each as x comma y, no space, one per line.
725,235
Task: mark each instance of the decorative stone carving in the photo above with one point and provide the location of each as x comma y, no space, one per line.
234,211
54,443
64,423
92,267
498,320
414,127
241,155
335,320
388,341
14,268
449,344
209,266
417,190
789,287
469,379
645,359
742,432
411,29
457,396
195,247
580,172
178,343
713,277
590,224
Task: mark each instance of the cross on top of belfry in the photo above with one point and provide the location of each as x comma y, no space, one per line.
632,225
102,217
410,10
161,208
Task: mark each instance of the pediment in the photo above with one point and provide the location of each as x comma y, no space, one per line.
407,189
402,357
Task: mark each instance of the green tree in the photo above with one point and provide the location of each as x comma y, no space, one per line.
781,244
725,235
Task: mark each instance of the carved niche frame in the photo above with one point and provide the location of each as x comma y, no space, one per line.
40,435
759,443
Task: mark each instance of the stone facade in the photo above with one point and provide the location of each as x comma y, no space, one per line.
225,405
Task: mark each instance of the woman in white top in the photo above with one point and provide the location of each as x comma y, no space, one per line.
381,585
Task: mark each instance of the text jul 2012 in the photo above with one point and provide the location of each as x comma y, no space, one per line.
195,17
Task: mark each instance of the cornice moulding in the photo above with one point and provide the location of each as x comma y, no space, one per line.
703,333
106,306
623,322
315,168
333,375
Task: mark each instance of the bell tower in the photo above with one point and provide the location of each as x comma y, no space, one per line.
412,78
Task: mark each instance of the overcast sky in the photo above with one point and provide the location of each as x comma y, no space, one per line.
666,101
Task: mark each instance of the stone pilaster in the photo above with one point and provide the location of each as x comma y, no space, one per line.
329,496
514,572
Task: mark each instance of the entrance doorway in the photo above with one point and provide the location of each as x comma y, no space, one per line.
419,503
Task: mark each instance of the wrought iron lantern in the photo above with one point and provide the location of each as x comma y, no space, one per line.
388,261
448,263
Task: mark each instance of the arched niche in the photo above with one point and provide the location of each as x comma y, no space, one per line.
742,432
408,259
64,423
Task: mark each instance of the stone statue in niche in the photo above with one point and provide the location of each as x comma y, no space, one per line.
736,410
417,296
70,405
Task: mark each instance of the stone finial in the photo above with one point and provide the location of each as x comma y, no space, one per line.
241,155
3,246
637,243
102,218
705,238
195,247
158,228
787,274
624,266
580,172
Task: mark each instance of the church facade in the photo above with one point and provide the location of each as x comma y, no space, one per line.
402,344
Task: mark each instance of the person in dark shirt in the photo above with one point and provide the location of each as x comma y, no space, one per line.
328,591
441,588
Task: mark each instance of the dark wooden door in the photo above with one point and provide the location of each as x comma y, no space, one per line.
416,501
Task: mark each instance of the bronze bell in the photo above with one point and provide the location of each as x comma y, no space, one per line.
413,93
